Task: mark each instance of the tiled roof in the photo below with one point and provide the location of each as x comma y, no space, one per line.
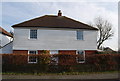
51,21
5,32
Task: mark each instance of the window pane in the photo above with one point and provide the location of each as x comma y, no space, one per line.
32,52
79,35
53,51
54,60
32,59
33,34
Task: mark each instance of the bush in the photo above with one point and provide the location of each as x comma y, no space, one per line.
66,63
19,63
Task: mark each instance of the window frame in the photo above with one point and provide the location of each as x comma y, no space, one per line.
83,56
30,34
54,58
29,56
54,53
82,38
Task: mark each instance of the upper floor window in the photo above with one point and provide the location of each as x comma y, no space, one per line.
33,34
79,35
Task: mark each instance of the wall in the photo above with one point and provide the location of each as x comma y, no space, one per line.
4,40
119,26
20,51
7,49
62,39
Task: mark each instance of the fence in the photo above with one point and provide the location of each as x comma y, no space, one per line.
59,63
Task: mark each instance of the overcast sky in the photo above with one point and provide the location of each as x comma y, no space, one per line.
16,12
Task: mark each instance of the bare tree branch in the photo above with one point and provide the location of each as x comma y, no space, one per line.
105,30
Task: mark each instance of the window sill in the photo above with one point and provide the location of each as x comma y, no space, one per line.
80,40
31,39
82,62
32,62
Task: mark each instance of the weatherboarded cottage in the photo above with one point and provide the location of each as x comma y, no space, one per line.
55,33
6,42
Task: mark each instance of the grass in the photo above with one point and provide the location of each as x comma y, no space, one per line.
62,73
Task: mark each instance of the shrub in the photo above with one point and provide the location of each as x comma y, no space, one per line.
66,63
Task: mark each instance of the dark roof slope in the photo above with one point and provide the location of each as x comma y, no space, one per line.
5,32
50,21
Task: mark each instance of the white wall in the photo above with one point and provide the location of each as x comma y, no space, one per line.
54,40
4,39
7,49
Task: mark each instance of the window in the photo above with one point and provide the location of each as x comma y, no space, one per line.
80,56
54,59
79,35
33,34
32,58
53,51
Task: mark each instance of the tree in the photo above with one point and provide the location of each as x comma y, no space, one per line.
105,30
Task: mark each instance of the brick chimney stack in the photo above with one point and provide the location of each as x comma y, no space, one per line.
59,13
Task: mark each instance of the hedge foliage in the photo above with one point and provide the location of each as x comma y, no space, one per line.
66,62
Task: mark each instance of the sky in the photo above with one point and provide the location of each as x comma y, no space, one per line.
85,11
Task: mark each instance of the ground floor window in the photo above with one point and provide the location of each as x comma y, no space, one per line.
53,51
32,58
80,56
54,59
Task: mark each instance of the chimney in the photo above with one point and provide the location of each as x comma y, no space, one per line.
59,13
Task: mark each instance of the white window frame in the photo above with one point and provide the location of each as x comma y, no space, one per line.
55,51
30,33
83,56
28,56
82,35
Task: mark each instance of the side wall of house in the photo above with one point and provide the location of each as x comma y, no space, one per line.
47,39
4,39
7,49
5,44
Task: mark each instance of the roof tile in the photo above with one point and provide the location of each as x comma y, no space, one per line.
51,21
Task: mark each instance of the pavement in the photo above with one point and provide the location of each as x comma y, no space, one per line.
82,76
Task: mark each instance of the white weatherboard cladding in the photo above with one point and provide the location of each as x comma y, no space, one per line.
5,44
54,40
4,39
7,49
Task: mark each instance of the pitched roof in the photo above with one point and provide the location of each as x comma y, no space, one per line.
5,32
51,21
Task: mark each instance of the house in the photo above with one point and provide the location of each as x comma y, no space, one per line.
108,50
56,33
6,42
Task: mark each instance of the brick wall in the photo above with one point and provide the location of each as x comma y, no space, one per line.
63,59
20,51
90,52
67,51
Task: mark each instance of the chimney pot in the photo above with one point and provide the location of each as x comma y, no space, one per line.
59,13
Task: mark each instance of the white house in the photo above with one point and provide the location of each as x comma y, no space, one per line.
6,42
56,33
